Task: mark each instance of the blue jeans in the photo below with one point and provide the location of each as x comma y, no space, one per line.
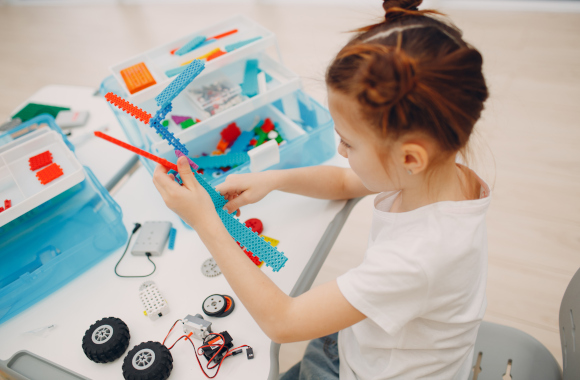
320,361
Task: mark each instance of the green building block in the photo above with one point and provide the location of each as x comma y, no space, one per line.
31,110
261,134
261,139
187,123
165,123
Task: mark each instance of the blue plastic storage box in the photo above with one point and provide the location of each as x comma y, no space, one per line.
50,245
306,125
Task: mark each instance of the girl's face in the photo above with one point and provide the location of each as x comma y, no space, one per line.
369,157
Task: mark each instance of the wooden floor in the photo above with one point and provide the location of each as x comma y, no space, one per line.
526,146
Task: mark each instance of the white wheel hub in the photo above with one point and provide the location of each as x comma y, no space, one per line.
102,334
143,359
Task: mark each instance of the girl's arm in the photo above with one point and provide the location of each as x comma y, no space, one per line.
284,319
318,312
324,182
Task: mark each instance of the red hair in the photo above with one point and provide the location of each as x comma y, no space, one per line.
413,73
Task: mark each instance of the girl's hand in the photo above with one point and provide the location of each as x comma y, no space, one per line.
190,201
242,189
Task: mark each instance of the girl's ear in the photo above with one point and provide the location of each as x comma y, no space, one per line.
414,157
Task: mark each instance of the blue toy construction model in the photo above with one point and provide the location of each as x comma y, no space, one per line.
242,234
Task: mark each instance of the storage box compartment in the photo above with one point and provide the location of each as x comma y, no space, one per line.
20,185
160,59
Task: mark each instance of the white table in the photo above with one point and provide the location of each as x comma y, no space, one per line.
306,229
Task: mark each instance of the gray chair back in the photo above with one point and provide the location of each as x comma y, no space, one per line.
506,353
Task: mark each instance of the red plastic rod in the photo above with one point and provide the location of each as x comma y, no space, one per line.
134,149
217,37
129,108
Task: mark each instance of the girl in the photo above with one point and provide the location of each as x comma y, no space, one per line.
404,95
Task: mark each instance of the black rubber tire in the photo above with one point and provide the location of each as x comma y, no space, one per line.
217,312
159,369
113,347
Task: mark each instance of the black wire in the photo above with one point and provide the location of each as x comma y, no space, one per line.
137,226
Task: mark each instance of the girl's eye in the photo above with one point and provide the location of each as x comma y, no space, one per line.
343,143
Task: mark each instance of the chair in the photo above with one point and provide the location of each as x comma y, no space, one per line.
505,353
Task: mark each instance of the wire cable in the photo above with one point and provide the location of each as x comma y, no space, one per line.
147,254
222,345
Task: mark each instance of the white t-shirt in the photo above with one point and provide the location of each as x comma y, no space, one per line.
422,287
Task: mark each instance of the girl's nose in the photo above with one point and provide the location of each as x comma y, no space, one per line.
342,150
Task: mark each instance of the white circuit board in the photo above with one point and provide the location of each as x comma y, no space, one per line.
153,302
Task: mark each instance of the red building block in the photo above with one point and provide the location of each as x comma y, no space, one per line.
49,174
40,160
255,225
255,259
231,133
268,125
7,204
1,209
134,149
129,108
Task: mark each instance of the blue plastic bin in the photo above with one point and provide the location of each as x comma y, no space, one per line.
315,145
57,241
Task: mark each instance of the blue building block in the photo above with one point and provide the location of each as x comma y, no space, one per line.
239,44
223,160
250,84
172,233
252,241
194,43
173,72
242,142
178,84
241,233
155,123
308,115
218,200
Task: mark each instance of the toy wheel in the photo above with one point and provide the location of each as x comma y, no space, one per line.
214,305
148,361
230,306
106,340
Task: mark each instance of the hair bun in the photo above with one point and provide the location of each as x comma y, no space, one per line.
410,5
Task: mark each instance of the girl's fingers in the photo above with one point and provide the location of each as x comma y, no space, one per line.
236,203
162,181
225,187
186,174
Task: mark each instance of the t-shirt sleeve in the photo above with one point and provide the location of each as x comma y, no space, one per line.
390,287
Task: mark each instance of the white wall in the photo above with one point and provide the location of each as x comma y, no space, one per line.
502,5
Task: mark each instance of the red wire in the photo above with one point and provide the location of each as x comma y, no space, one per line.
196,351
167,336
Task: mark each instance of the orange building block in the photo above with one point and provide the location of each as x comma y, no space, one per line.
215,55
222,145
137,77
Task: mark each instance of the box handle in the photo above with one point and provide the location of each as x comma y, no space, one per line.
264,156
